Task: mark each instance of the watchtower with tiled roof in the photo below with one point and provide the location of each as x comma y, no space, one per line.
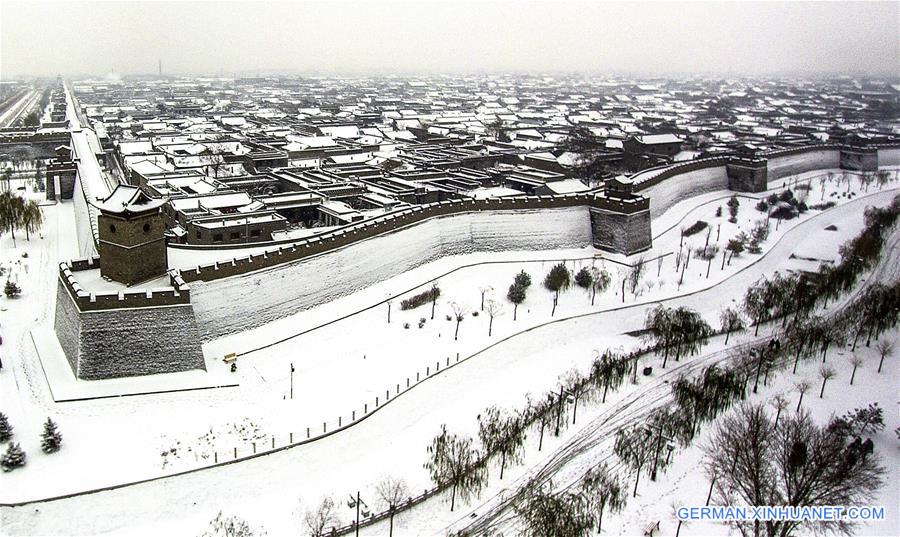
132,246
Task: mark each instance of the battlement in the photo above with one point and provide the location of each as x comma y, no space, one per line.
86,299
402,218
126,332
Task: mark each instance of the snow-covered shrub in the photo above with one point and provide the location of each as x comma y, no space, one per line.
51,439
6,430
11,290
13,458
584,278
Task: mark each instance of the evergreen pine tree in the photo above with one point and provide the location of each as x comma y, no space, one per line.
6,430
13,458
51,439
11,290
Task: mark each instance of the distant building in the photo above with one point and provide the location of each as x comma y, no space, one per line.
645,150
660,145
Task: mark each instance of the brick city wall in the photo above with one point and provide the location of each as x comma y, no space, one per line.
127,333
617,232
244,301
349,234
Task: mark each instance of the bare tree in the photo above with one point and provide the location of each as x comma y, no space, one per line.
826,372
824,180
484,290
634,447
731,320
230,527
636,273
600,280
454,462
435,291
855,361
392,492
779,402
323,517
548,514
494,309
802,387
884,347
502,433
215,162
797,464
459,313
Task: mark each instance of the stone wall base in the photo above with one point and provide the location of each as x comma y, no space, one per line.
621,233
129,341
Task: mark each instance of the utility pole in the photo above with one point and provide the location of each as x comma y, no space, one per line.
292,380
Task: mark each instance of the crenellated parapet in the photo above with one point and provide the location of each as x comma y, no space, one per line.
409,216
125,332
176,293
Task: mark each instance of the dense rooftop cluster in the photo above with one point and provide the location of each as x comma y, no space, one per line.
255,159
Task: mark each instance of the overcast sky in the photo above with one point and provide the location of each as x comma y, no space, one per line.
455,36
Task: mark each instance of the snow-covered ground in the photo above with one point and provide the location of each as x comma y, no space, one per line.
113,441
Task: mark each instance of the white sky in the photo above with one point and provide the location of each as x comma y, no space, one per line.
463,36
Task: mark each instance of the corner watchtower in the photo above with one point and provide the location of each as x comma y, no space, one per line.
132,245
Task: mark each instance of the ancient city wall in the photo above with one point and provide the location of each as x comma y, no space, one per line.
125,333
244,301
352,233
889,156
794,161
685,184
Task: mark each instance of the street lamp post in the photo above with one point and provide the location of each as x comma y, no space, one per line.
355,503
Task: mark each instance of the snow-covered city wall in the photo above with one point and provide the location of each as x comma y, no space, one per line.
84,232
126,341
683,186
244,301
889,156
787,165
